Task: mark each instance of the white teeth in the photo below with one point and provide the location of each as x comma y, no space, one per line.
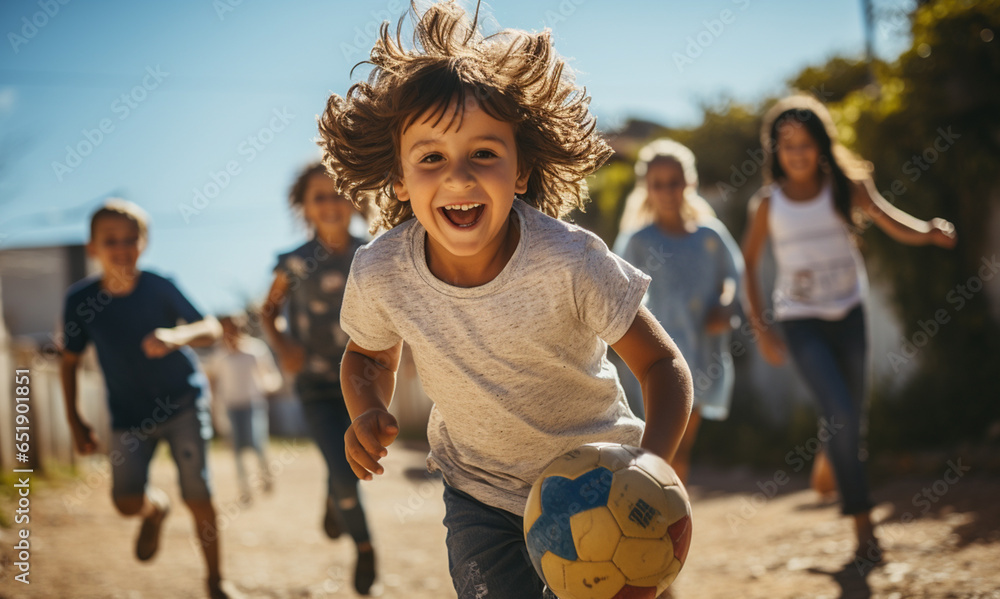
462,207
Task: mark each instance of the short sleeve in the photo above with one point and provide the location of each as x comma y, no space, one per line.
282,266
179,305
363,317
622,243
74,332
629,251
729,260
609,291
731,256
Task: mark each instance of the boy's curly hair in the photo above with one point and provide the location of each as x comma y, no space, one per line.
515,76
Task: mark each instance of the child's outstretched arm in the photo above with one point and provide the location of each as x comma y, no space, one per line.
898,224
165,340
666,382
291,355
368,379
83,435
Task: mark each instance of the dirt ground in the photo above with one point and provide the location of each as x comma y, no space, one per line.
755,535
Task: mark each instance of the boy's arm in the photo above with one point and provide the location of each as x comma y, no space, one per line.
165,340
291,355
666,382
368,379
899,225
83,435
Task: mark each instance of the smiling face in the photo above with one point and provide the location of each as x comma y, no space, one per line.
116,244
325,209
460,179
798,153
665,186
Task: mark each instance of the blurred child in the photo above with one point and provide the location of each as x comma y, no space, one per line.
155,389
309,282
671,234
813,185
472,147
243,373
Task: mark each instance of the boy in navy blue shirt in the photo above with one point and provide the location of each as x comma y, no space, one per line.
155,388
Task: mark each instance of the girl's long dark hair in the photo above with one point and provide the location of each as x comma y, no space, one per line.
835,159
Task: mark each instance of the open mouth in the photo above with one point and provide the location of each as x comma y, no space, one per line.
463,215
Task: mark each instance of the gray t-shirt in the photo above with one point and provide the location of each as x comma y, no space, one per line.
518,367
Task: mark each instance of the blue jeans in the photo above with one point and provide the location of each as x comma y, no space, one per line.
328,421
487,556
249,426
131,451
249,431
831,357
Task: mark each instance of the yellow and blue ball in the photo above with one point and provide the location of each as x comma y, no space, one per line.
608,521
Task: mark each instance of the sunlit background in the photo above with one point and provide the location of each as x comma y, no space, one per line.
223,70
202,112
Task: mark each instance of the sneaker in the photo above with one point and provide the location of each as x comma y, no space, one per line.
869,556
223,589
331,519
364,571
149,534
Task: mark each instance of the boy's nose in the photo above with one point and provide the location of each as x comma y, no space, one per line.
459,176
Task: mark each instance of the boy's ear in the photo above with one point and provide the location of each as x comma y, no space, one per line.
521,184
399,188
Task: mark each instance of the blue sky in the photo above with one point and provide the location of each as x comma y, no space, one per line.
161,101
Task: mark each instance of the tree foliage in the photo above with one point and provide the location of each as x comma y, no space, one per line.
930,124
933,135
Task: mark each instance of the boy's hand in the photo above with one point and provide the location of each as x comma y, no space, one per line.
292,357
942,233
366,440
83,437
159,343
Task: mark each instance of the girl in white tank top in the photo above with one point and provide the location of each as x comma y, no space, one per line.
820,272
813,186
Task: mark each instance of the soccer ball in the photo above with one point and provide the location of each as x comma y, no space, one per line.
608,521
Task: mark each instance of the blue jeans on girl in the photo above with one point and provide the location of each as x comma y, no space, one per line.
831,356
328,421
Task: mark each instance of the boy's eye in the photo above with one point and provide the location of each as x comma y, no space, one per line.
484,154
431,158
129,242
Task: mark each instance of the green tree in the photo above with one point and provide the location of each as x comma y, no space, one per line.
930,125
932,133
